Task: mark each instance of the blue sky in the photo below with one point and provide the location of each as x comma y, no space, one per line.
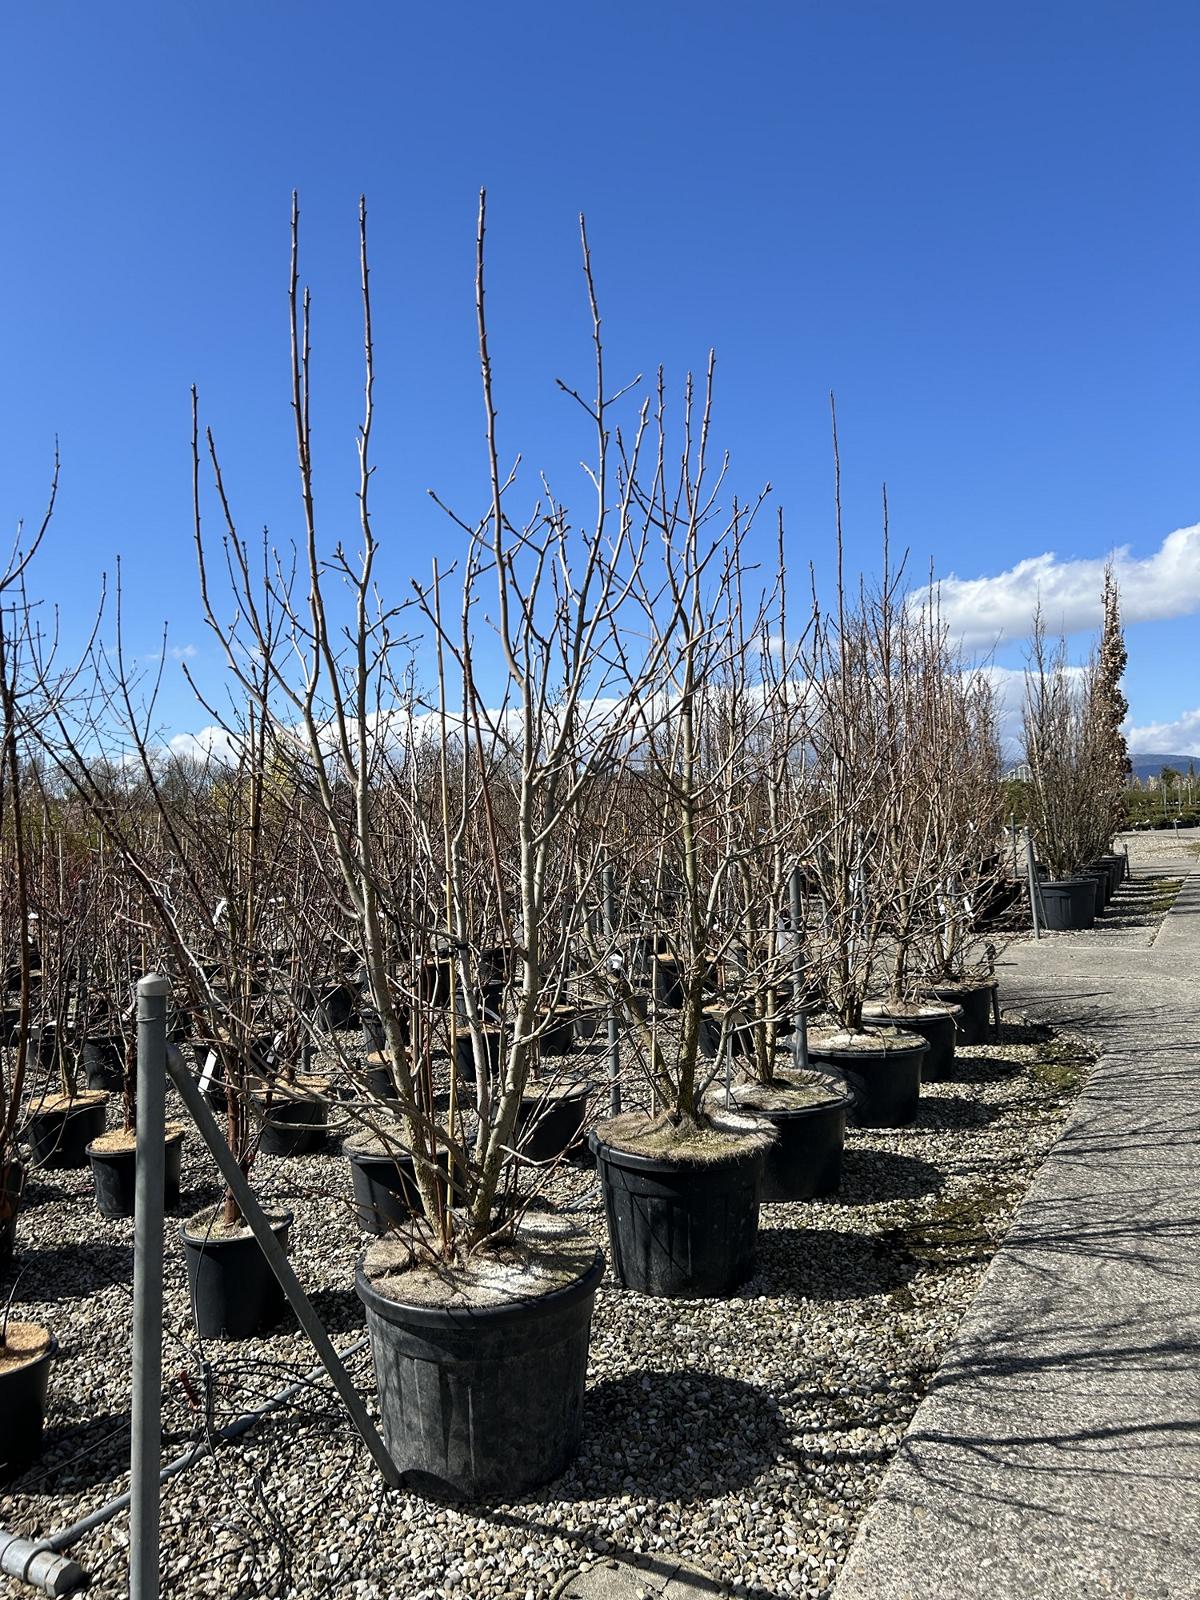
978,225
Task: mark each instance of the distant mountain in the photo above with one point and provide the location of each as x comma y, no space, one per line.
1151,764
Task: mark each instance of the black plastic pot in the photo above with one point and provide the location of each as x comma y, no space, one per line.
385,1188
103,1062
482,1401
740,1036
334,1004
58,1137
885,1083
589,1022
114,1173
234,1292
1114,865
559,1034
680,1228
23,1393
12,1181
939,1028
1068,905
1099,876
10,1026
975,1002
293,1124
806,1160
549,1127
668,985
464,1050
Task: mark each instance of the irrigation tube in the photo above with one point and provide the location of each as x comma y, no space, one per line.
41,1562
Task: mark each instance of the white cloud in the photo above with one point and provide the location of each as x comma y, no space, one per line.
211,743
1178,738
183,652
987,611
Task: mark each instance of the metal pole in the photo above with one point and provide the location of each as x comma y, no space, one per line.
277,1259
614,1041
800,1037
1033,885
146,1438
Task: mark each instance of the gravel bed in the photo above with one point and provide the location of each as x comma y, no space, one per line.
747,1435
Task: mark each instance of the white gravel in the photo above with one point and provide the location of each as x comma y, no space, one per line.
747,1435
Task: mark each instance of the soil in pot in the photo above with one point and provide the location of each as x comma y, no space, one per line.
60,1127
233,1290
975,1000
681,1203
25,1359
938,1025
551,1119
103,1062
114,1170
481,1367
808,1111
882,1068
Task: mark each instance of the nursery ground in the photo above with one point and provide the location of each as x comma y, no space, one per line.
745,1436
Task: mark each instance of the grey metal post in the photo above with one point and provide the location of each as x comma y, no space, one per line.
1034,891
1012,829
800,1037
614,1040
277,1260
146,1442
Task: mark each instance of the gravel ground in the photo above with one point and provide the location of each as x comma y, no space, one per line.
746,1435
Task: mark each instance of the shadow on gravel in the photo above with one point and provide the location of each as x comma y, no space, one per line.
82,1455
72,1271
985,1069
681,1436
339,1309
872,1176
953,1111
823,1264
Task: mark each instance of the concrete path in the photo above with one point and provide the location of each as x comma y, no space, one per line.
1057,1453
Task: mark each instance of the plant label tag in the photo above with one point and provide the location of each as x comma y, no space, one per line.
208,1073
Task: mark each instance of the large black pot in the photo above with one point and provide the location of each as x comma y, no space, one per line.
558,1033
114,1173
58,1136
884,1080
103,1061
805,1162
550,1124
334,1004
234,1292
12,1181
464,1050
293,1124
23,1393
680,1228
939,1026
484,1401
976,1007
1099,876
385,1187
1114,865
1068,905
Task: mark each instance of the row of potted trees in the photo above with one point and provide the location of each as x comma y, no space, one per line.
595,773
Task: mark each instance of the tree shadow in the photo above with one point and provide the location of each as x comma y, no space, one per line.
82,1455
72,1271
825,1264
984,1069
949,1111
678,1436
339,1309
878,1175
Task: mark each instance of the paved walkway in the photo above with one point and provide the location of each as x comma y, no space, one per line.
1057,1453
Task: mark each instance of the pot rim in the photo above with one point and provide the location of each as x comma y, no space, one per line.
208,1241
26,1367
634,1162
518,1308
